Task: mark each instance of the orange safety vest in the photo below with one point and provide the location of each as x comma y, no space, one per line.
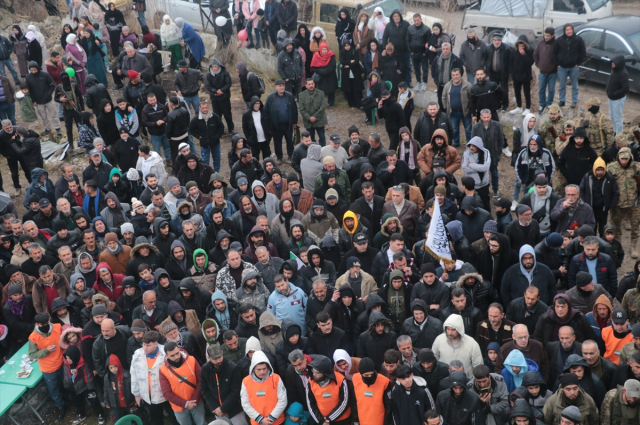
327,398
183,390
52,361
263,396
369,399
613,344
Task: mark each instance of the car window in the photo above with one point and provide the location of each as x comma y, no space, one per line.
570,6
591,38
615,45
596,4
635,40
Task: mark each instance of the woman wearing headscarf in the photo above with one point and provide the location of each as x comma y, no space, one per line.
324,65
378,23
171,36
438,36
102,34
391,67
77,59
66,30
71,103
114,21
371,57
303,38
521,137
316,39
344,27
97,10
100,228
20,42
87,132
95,65
191,42
127,35
34,52
109,132
351,77
41,40
362,34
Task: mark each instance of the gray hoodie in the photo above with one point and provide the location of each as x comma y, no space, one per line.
311,166
477,165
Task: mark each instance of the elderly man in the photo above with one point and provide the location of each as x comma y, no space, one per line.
66,212
523,231
405,210
134,61
494,329
67,265
604,368
530,348
153,312
342,179
454,344
48,287
268,266
113,340
558,351
586,293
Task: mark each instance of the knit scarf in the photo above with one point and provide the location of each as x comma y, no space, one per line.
412,162
253,215
96,203
572,209
17,308
116,251
205,116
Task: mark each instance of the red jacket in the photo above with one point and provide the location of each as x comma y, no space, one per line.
116,283
54,71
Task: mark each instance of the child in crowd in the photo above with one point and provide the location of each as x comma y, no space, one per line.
616,246
117,390
78,381
27,110
492,355
126,116
264,32
537,392
295,413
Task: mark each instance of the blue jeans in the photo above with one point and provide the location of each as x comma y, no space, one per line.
455,118
8,111
189,417
194,101
320,130
54,382
562,76
161,142
471,78
142,19
615,112
9,64
516,189
215,155
406,57
250,31
495,176
418,61
547,82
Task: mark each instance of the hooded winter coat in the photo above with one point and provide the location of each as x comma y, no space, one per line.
424,334
575,162
472,224
35,188
284,347
426,136
464,409
569,51
477,165
558,402
515,282
258,298
154,259
96,94
373,345
618,84
468,352
610,192
220,81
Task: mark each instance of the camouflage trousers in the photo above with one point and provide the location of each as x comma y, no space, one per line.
630,213
558,183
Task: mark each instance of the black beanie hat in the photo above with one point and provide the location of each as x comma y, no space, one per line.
585,230
426,356
291,331
353,129
34,198
292,177
60,225
567,379
583,279
10,269
427,268
366,365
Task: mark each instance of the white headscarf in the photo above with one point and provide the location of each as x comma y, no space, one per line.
526,133
170,32
379,22
340,355
72,39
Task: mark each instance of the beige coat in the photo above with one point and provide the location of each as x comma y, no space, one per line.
368,286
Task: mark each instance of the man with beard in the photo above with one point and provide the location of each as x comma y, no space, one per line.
297,238
494,329
113,340
629,349
115,254
82,222
36,260
527,309
67,263
437,146
527,273
194,298
600,265
41,237
462,305
377,339
63,313
138,330
183,339
167,209
318,267
430,369
257,238
63,237
192,239
585,296
577,158
176,191
219,223
252,291
130,299
46,214
433,292
163,237
220,385
245,219
334,408
487,95
34,207
458,404
75,194
455,344
620,405
432,119
617,335
268,266
66,212
79,287
570,405
87,267
94,200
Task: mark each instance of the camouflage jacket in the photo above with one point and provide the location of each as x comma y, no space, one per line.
630,135
626,352
631,304
547,138
593,131
626,179
614,412
560,145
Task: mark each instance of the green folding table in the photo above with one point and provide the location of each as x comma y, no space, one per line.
13,388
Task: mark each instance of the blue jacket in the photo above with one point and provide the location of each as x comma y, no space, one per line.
50,192
508,376
504,221
597,332
292,306
522,165
196,45
450,209
606,272
226,213
270,13
292,109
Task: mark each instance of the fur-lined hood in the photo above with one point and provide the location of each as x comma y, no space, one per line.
467,271
387,221
67,329
152,248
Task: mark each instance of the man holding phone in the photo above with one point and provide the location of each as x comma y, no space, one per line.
491,389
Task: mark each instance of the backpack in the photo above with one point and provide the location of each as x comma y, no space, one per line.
260,82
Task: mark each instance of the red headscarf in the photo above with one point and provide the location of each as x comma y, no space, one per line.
319,60
119,382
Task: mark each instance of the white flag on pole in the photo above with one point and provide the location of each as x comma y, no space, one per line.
437,242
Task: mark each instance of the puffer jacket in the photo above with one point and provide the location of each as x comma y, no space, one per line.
610,191
425,134
473,224
141,373
521,62
479,295
417,37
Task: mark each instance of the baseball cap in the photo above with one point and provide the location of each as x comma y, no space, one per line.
44,202
619,317
93,152
335,138
360,239
632,387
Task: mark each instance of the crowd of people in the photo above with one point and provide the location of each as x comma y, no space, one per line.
313,296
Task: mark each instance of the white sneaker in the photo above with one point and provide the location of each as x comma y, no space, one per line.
109,70
526,112
506,152
424,87
514,204
516,111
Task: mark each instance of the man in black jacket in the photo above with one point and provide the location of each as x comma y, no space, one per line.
430,369
394,118
431,120
441,68
248,165
418,36
207,127
395,33
249,84
41,87
220,385
617,89
485,94
377,152
96,92
287,12
218,83
177,122
498,64
186,83
459,405
154,117
570,52
394,171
